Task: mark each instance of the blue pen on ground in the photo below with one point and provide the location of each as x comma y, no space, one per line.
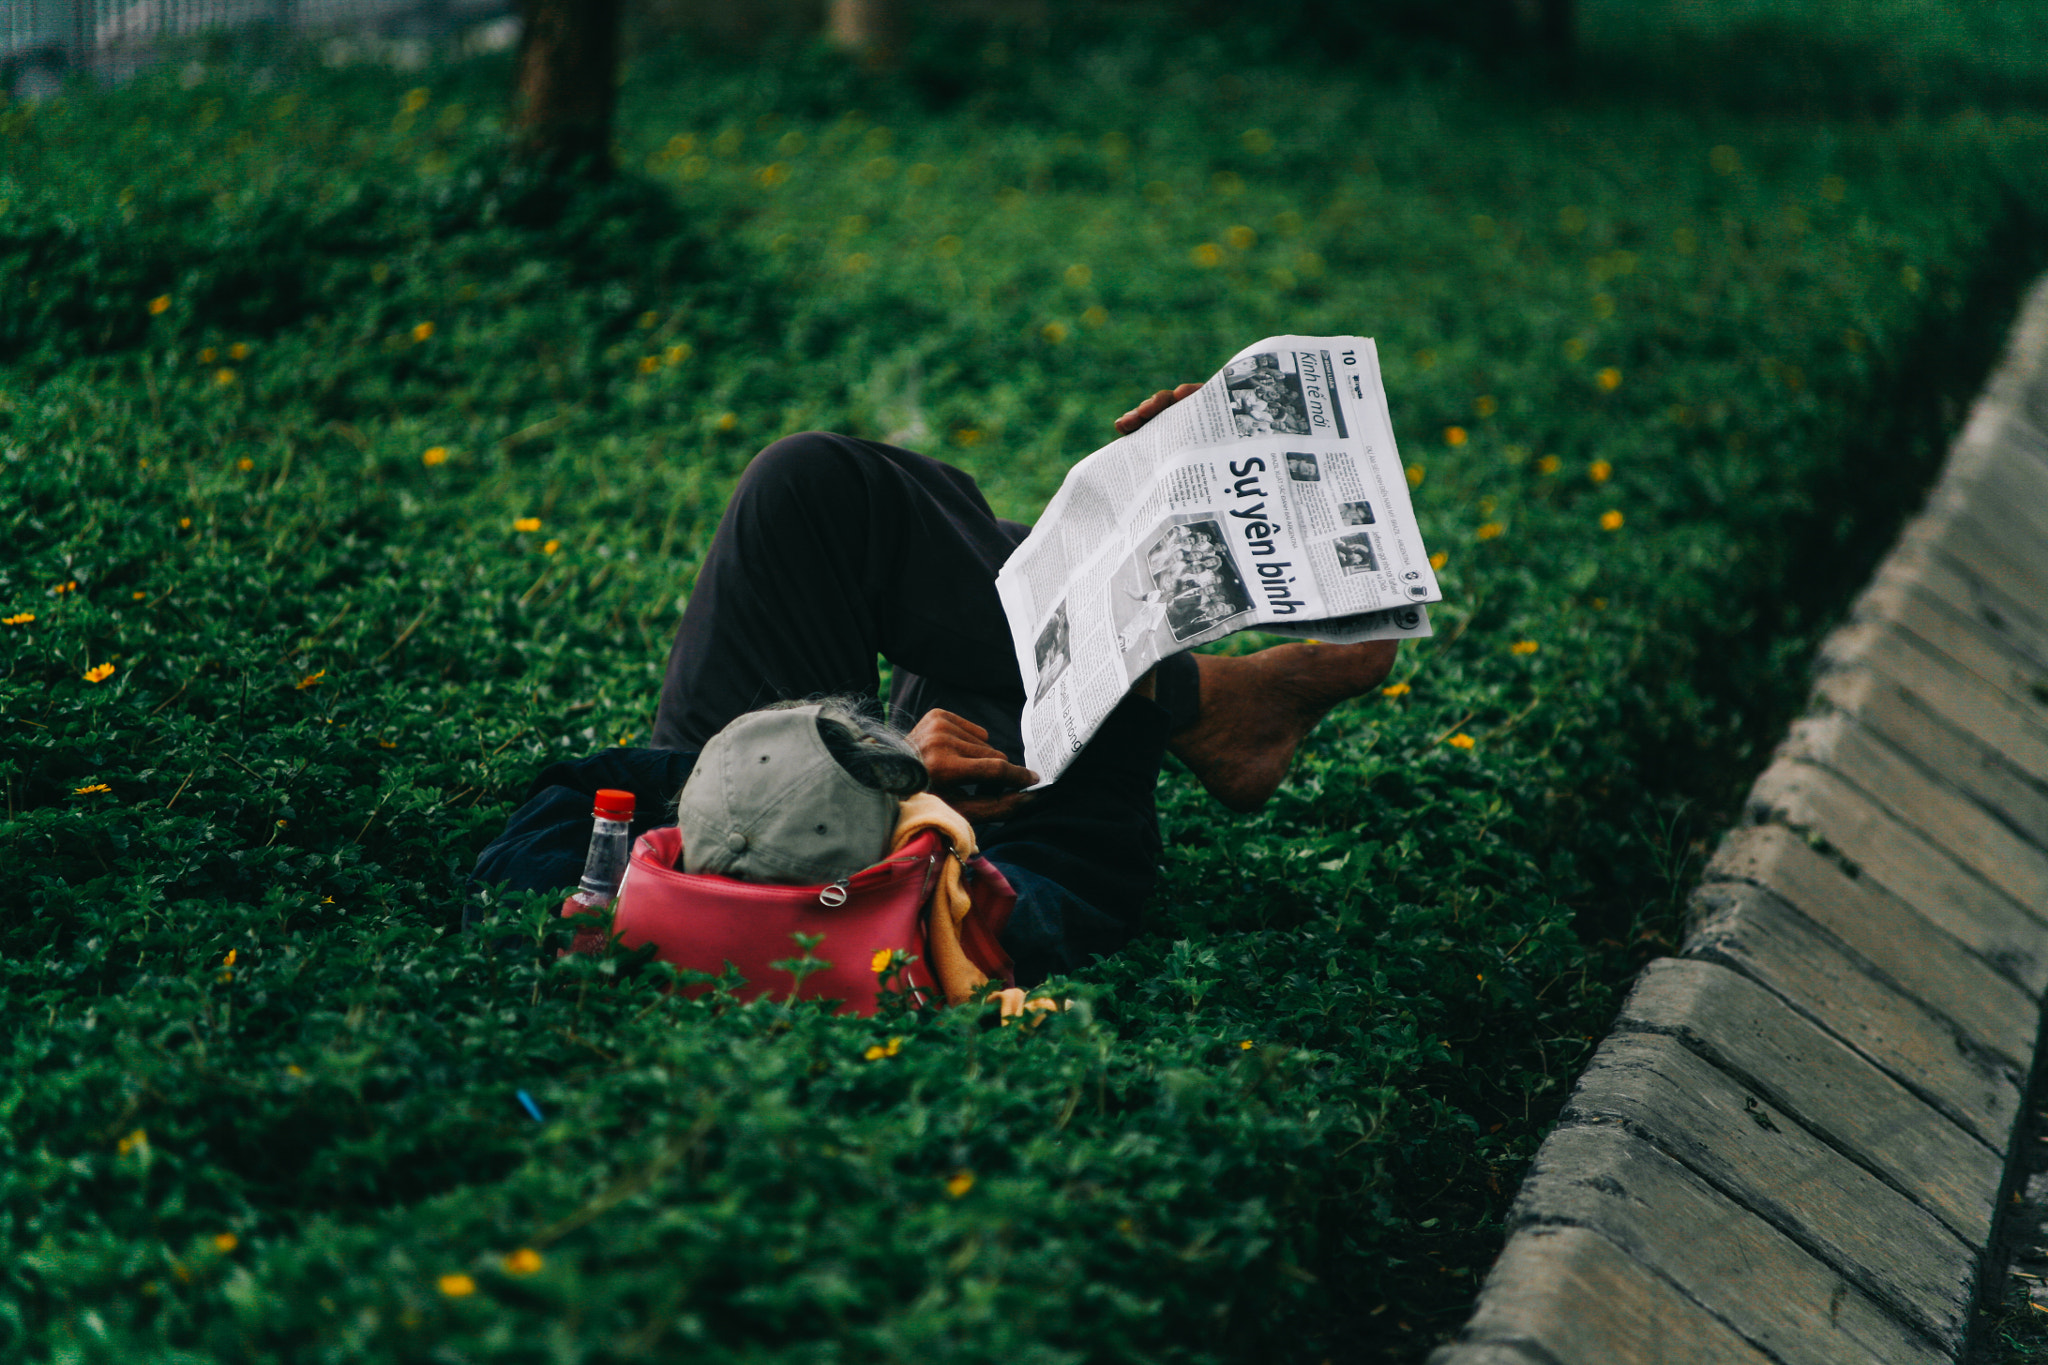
531,1108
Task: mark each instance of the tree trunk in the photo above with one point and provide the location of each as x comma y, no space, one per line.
568,83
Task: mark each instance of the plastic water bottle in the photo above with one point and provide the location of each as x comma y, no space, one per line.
604,867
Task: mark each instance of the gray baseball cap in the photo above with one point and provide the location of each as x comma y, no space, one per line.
767,802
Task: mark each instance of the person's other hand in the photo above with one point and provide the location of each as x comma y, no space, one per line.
1152,407
956,752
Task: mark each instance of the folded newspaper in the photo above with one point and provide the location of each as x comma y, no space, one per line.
1273,499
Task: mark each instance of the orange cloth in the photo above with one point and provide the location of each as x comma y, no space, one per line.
957,975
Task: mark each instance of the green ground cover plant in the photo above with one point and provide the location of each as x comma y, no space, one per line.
350,478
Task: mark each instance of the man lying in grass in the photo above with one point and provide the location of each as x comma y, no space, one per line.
836,550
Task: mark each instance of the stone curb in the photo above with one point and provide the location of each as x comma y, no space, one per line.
1794,1145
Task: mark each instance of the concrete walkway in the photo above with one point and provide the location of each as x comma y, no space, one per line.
1793,1146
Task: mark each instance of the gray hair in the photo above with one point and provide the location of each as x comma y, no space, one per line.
875,753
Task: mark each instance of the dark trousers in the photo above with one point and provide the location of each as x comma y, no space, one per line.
834,551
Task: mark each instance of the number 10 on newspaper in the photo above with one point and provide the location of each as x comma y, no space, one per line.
1273,499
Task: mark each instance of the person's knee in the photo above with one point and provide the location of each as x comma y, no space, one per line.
811,466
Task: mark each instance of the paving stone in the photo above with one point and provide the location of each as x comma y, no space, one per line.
1493,1353
1750,930
1975,648
1964,701
1759,1156
1905,864
2020,625
1565,1296
1749,1033
1961,828
2004,490
1993,545
1937,746
1733,1263
1927,962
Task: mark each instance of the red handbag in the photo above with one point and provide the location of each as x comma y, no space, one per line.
704,921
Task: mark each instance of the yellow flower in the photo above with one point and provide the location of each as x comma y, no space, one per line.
99,673
1548,464
525,1261
1245,1046
961,1183
550,547
1439,559
137,1140
1610,520
1523,647
208,356
238,351
311,680
1600,471
1575,348
1490,530
1599,604
1055,332
1095,315
1415,472
1079,275
416,99
875,1053
1454,436
69,585
421,331
1609,379
1485,405
1206,255
223,376
245,464
137,596
387,744
1399,689
88,791
457,1286
967,436
159,304
21,618
1461,741
229,960
1910,278
648,364
772,174
677,354
184,523
224,1242
1241,237
879,963
295,1069
727,421
895,1046
434,455
526,524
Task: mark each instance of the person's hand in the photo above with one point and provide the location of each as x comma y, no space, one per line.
956,752
1152,407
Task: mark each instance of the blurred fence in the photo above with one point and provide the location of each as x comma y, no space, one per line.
47,38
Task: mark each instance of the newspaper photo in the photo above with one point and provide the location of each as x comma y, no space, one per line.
1272,499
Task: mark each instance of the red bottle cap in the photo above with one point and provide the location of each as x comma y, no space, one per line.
614,805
